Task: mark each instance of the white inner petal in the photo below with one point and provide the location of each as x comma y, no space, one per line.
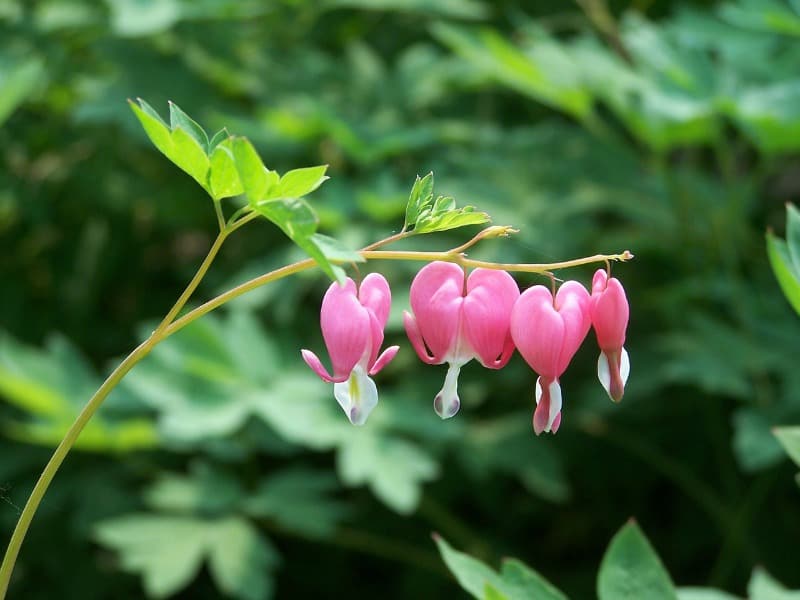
604,372
624,366
357,396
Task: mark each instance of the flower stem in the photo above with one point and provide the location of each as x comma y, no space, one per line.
170,325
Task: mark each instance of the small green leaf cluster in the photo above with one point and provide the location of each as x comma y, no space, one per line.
630,570
228,166
426,214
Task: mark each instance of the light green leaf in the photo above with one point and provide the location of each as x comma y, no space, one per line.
631,569
421,194
178,118
155,128
789,437
190,156
393,468
224,178
240,560
177,145
689,593
133,18
168,552
516,581
300,182
763,586
334,250
785,272
299,221
450,218
256,179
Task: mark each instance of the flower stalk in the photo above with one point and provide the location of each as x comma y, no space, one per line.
171,324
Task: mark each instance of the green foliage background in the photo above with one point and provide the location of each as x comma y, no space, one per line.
222,466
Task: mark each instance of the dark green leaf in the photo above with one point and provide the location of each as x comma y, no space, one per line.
631,569
516,580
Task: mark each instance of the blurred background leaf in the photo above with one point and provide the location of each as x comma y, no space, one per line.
670,129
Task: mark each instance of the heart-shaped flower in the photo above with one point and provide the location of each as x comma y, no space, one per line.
547,332
352,326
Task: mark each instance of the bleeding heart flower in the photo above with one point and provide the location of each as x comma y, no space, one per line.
548,332
454,324
610,311
352,327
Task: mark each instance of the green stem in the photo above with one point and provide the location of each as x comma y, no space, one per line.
169,325
58,457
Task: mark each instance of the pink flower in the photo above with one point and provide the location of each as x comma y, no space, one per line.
547,333
454,323
352,327
610,311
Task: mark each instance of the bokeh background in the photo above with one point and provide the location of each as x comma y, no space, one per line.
222,467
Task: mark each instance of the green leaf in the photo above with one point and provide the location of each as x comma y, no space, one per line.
205,491
426,215
177,145
689,593
393,468
300,182
240,560
255,178
631,569
789,437
421,194
155,128
334,250
219,137
168,551
299,221
224,178
298,499
178,118
763,586
785,272
449,218
516,581
190,156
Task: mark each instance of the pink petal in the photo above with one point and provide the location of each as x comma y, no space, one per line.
376,295
345,328
316,366
538,330
415,337
572,303
487,309
384,359
436,299
609,311
375,342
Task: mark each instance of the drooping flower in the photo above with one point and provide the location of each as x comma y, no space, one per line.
454,323
610,311
548,332
352,326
